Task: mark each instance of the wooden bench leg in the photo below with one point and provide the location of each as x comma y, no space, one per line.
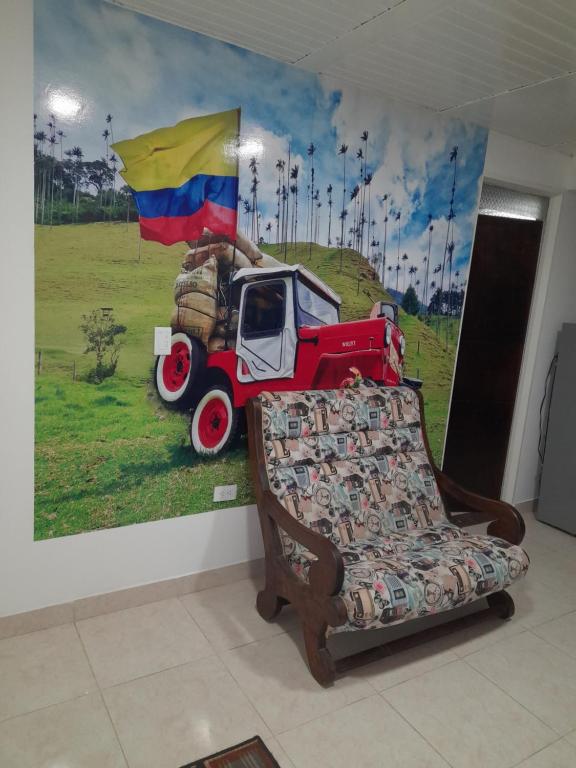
501,604
320,661
268,604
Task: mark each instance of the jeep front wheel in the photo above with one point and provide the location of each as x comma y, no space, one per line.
214,422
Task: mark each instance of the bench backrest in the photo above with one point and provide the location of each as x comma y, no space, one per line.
350,463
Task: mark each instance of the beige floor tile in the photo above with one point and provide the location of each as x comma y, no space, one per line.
275,676
557,571
139,641
560,633
537,603
571,737
539,676
475,633
228,617
470,721
179,715
42,668
562,754
401,666
367,734
74,734
278,751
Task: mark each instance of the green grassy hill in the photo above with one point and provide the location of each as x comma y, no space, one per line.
111,454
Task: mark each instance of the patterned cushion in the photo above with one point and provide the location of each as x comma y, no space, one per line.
336,411
427,579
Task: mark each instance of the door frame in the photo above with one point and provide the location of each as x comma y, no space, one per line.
533,330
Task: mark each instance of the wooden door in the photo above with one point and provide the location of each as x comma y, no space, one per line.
499,295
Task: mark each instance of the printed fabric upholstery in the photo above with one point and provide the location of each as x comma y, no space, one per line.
351,464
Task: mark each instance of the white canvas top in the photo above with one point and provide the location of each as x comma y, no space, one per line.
247,272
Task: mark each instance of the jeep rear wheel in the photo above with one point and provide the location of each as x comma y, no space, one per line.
214,422
177,374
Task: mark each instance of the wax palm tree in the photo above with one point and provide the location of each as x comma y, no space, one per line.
451,215
389,268
268,229
397,218
427,260
247,212
106,137
255,231
342,151
364,139
109,119
318,206
397,268
329,193
293,192
311,149
450,257
342,217
354,199
384,202
294,178
367,182
358,202
78,155
53,141
280,165
113,163
286,201
412,271
405,260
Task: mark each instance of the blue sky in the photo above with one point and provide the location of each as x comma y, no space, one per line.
149,74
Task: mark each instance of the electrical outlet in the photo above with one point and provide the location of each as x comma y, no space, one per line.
225,492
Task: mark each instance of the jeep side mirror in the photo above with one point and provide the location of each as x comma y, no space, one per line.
388,310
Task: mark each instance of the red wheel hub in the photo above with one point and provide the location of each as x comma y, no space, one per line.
213,423
176,367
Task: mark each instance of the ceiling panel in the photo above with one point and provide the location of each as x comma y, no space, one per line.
544,114
508,64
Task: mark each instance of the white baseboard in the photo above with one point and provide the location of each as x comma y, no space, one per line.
95,605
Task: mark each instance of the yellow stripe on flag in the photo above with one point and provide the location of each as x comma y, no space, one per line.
168,157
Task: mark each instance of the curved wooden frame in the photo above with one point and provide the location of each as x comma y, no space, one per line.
316,600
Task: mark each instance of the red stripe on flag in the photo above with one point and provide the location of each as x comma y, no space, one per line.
176,229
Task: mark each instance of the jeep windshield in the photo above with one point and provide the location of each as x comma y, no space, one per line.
312,308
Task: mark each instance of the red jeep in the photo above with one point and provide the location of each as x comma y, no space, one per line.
289,337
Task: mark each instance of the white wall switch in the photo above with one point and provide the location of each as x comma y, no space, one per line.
225,492
162,340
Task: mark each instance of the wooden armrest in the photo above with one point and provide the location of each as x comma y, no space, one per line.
327,572
507,523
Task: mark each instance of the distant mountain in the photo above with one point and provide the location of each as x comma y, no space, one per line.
397,296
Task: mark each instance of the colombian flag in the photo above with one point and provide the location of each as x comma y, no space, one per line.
185,178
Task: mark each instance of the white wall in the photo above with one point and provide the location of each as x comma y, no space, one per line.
36,574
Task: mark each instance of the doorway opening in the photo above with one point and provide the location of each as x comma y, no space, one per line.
498,300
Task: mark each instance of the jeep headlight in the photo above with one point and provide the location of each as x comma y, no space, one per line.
402,346
388,334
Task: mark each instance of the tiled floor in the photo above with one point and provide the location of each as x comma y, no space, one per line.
163,684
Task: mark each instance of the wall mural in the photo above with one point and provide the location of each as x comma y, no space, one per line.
264,214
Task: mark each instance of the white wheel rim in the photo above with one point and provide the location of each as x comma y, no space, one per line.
196,428
168,394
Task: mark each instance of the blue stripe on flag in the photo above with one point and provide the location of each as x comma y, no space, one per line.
189,198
